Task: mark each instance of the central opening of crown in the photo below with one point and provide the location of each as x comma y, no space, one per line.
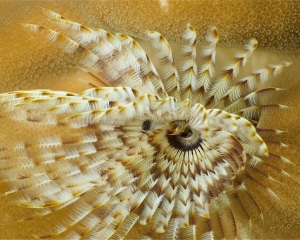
181,136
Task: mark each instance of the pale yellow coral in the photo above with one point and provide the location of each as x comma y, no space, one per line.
28,62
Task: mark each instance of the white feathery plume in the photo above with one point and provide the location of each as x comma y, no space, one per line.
206,71
231,71
189,66
248,100
50,14
254,112
97,61
164,54
250,82
147,71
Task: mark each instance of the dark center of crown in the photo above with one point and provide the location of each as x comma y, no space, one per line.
185,140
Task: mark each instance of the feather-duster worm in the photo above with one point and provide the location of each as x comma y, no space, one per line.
176,154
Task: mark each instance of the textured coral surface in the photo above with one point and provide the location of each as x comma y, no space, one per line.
30,62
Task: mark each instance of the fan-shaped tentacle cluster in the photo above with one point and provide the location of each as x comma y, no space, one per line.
165,151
